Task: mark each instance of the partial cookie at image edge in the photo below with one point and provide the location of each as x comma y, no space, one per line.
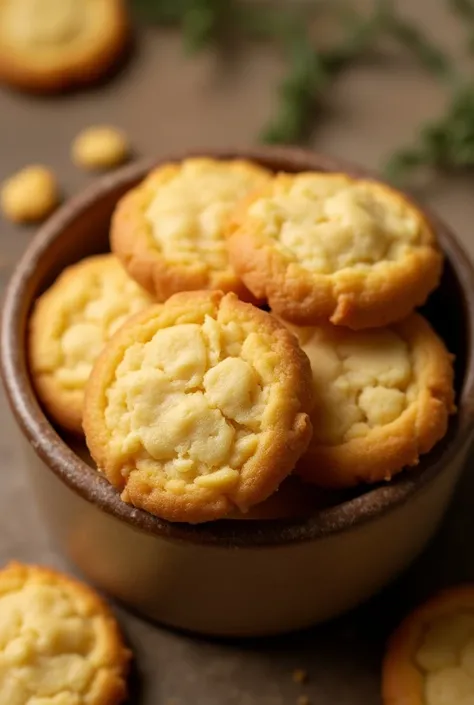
110,686
403,682
92,66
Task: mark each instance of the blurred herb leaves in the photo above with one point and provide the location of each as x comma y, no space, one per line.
446,143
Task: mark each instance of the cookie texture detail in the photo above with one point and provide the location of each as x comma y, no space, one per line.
69,326
327,247
199,406
382,398
169,230
60,644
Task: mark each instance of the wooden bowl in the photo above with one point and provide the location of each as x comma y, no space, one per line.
231,577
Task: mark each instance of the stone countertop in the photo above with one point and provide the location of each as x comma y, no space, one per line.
166,102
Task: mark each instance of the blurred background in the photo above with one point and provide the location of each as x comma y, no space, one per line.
386,85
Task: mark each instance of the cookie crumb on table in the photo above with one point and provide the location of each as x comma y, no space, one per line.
300,675
100,147
29,195
303,700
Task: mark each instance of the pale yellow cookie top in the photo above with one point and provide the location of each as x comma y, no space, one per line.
430,658
361,380
72,322
446,658
44,31
382,398
191,203
59,644
330,222
192,396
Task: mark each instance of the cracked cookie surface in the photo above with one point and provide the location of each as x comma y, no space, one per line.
430,657
169,230
382,398
59,643
69,326
199,406
48,45
327,247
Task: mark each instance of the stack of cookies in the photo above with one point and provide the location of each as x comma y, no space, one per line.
247,326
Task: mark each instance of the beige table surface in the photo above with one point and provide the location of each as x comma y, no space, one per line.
166,103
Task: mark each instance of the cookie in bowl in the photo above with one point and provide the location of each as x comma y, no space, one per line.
60,642
382,398
169,230
199,406
57,44
69,326
329,247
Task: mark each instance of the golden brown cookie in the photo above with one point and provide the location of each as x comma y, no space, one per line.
430,657
169,230
60,644
198,406
50,45
327,247
382,398
69,326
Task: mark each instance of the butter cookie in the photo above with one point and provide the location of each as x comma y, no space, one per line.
59,641
169,230
199,406
69,326
327,247
50,45
430,657
382,398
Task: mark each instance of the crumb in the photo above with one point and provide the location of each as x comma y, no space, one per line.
303,700
29,195
100,147
300,675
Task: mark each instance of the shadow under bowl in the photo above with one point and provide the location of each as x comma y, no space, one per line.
231,577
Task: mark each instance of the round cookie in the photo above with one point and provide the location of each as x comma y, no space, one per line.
169,230
382,398
50,45
199,406
327,247
69,326
430,658
59,641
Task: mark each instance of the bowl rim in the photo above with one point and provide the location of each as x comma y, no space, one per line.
94,488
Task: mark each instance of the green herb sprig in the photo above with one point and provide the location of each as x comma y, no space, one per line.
446,143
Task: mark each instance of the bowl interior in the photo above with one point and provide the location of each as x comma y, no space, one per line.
80,229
